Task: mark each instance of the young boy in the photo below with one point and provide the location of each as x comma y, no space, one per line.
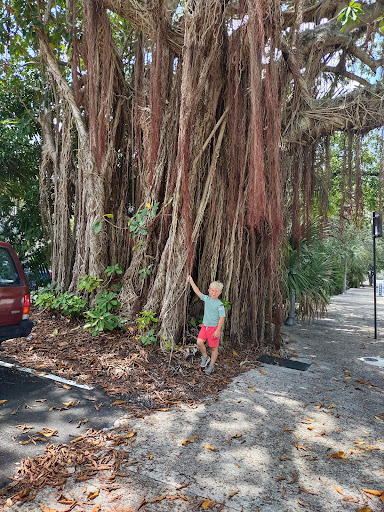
214,314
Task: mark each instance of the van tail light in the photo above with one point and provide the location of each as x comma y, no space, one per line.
27,306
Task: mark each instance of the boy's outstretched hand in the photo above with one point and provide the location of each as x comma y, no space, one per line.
194,287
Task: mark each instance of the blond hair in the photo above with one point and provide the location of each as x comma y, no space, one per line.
216,285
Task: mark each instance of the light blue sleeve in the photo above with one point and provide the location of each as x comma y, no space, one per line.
204,297
221,311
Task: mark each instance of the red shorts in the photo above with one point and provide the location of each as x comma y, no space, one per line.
206,334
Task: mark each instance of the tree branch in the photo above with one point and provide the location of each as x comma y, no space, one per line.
328,34
140,16
361,110
323,9
53,67
343,72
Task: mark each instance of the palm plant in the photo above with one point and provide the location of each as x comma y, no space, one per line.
308,280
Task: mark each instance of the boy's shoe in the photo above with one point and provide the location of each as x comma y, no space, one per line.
204,361
209,369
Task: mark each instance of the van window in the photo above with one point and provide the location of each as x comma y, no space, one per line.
8,271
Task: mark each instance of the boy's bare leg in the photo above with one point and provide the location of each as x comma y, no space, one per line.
201,345
214,354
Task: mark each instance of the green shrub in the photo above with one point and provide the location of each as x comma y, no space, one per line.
101,316
145,322
99,319
70,304
44,299
89,283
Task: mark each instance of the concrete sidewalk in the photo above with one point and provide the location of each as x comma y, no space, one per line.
276,439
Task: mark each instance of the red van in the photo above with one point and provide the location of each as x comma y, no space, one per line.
15,301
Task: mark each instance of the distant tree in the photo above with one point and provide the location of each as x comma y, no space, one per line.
20,144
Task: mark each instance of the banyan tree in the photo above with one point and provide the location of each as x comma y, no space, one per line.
180,137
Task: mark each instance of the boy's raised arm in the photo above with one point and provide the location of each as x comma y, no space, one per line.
194,287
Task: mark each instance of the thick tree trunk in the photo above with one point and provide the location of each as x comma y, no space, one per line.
213,125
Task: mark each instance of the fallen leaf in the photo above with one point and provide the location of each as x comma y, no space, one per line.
24,427
235,436
301,503
47,432
310,428
187,441
308,492
233,494
338,490
119,402
261,371
331,406
285,458
365,509
359,442
370,448
65,501
319,406
207,504
209,447
308,419
131,434
93,495
373,492
96,508
280,478
339,455
160,498
65,386
294,479
235,353
253,390
24,492
46,509
351,499
182,486
237,465
150,456
184,498
288,429
71,404
3,402
77,439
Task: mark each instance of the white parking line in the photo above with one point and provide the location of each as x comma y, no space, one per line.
45,375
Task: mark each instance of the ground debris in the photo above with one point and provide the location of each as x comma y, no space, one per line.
122,365
88,455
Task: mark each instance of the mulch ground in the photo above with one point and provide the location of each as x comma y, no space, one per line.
142,379
118,362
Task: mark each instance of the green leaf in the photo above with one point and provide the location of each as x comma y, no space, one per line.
97,226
